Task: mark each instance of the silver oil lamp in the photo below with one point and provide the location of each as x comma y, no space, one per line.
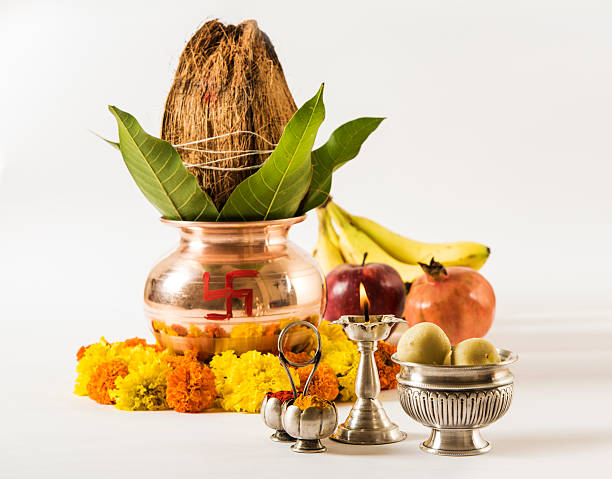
368,422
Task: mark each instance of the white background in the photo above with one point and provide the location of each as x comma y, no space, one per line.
498,131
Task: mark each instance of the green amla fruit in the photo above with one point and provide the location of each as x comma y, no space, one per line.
424,343
448,359
473,352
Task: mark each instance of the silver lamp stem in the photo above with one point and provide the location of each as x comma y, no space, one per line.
367,385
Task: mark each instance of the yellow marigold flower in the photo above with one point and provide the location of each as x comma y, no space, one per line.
347,385
103,351
332,331
247,330
242,382
195,332
342,356
144,388
158,326
91,357
283,323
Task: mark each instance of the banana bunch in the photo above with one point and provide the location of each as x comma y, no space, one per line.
356,236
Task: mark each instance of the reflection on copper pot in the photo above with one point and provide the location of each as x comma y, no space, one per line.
233,286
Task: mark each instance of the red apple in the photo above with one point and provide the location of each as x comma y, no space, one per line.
383,286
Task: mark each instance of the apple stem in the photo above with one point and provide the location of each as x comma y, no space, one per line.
365,255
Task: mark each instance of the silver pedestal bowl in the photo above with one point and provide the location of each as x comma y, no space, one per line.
456,402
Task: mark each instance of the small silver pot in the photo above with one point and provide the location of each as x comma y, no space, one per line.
456,402
309,426
271,409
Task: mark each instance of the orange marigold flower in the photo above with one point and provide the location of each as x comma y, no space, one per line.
270,329
81,352
387,369
103,380
184,359
134,342
215,332
324,383
158,348
191,385
179,330
298,357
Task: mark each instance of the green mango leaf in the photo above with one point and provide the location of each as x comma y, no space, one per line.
114,144
276,190
343,145
160,174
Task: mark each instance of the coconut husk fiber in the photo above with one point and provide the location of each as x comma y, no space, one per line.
228,79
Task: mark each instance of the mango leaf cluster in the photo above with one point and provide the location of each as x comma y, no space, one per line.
293,180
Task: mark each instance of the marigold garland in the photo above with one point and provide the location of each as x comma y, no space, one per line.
135,375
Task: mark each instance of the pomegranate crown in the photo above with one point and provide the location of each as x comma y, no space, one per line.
434,269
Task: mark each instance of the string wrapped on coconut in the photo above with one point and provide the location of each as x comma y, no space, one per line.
229,88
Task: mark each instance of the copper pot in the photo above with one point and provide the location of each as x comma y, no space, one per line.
233,286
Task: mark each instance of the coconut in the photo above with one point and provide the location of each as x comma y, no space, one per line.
229,86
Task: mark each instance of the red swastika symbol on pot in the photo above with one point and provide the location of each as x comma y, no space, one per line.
230,293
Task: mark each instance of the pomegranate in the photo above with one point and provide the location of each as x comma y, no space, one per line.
458,299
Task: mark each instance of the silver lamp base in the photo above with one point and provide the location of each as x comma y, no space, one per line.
368,424
455,442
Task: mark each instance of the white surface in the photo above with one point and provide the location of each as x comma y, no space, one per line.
497,130
559,424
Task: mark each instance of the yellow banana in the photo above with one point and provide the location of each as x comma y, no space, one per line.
326,251
329,227
354,243
406,250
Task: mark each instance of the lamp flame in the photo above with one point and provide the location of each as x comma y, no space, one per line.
364,302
